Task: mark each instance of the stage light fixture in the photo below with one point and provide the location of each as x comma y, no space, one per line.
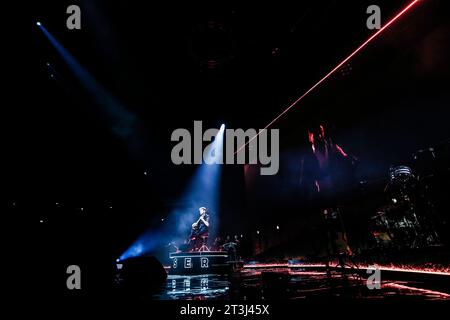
122,122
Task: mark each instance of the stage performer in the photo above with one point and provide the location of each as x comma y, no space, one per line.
200,228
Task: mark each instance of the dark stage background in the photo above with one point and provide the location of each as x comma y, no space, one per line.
97,182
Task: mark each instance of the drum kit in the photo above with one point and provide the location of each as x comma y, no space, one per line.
407,220
395,228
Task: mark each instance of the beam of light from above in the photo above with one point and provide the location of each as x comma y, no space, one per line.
202,191
123,122
204,188
365,43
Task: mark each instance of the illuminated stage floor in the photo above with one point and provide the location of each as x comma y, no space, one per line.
273,283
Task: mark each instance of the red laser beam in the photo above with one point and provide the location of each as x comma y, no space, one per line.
333,70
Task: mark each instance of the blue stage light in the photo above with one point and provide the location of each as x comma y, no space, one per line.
123,123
